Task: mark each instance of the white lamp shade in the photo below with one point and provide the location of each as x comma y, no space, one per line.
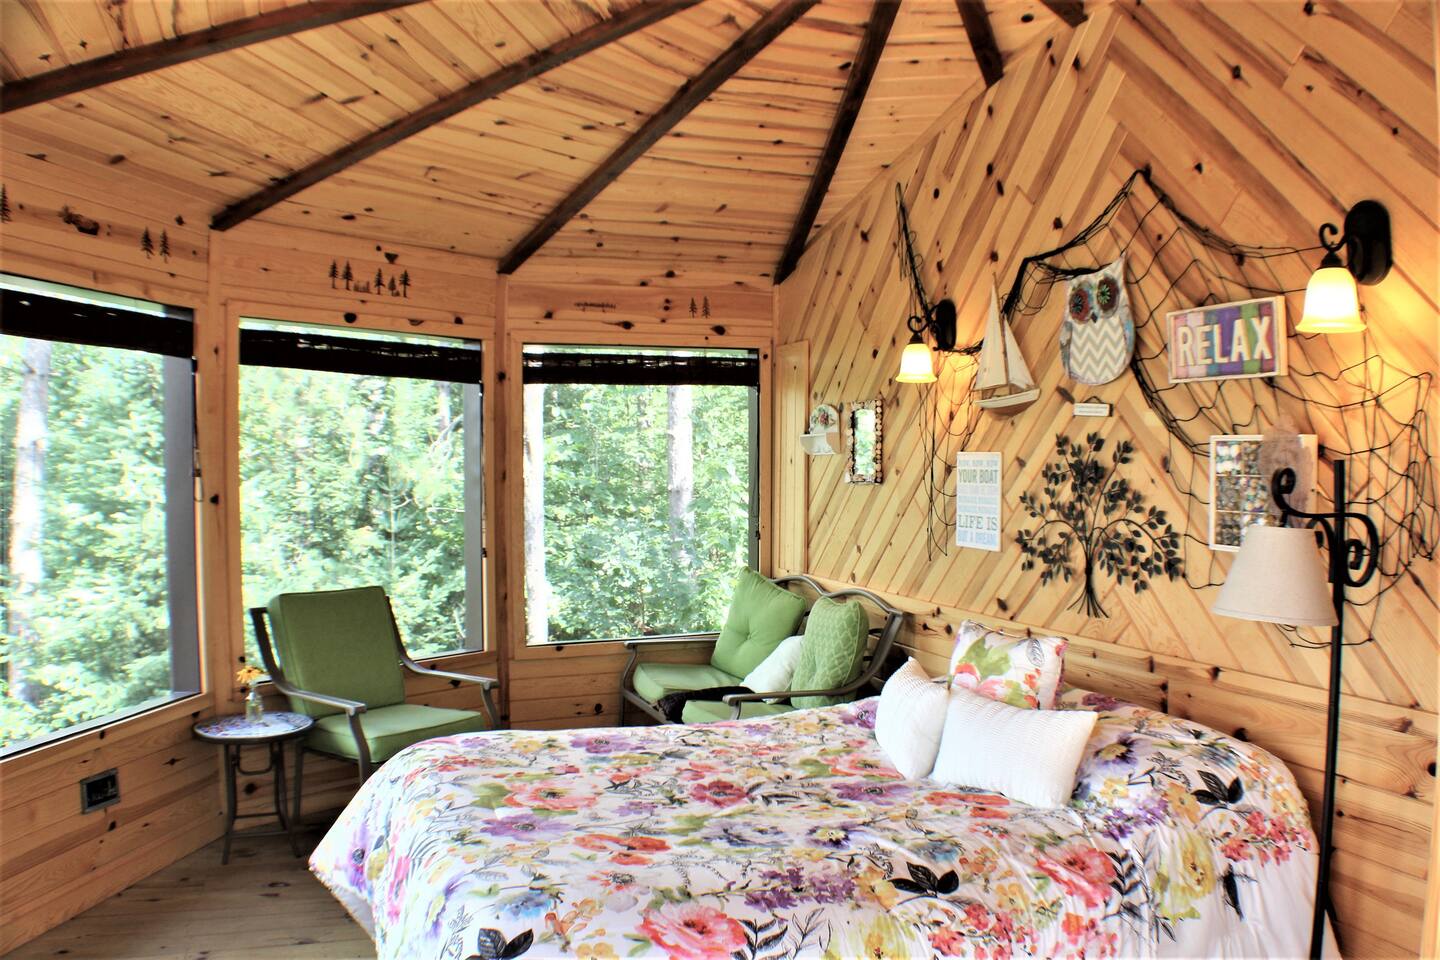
916,364
1278,577
1331,303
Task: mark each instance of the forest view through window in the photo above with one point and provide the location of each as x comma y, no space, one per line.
640,473
97,519
360,464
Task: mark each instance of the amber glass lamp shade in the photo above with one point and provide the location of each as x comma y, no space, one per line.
917,365
1331,302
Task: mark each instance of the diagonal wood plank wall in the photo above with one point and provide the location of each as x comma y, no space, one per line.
1262,122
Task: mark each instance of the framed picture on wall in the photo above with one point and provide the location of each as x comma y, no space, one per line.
1241,468
977,500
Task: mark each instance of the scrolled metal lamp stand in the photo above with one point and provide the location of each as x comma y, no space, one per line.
1353,561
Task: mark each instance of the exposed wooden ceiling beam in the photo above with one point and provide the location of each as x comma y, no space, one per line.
1071,11
862,69
80,77
690,95
982,39
591,38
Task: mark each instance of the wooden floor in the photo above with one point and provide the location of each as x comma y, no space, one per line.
263,904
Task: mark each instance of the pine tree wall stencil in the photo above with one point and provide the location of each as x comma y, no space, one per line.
4,205
1085,504
164,246
147,245
334,273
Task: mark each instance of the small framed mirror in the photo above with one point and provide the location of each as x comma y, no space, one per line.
864,443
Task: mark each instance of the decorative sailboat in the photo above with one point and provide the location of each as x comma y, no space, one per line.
1005,384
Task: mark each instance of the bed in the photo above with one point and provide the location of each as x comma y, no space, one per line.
790,836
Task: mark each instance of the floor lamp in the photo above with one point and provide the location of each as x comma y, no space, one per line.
1279,577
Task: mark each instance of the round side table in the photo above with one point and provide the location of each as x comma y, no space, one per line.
272,729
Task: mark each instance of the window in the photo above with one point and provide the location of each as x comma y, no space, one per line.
98,612
360,464
640,489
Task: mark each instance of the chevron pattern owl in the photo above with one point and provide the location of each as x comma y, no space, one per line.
1097,335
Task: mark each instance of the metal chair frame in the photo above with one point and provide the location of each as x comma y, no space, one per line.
885,639
354,709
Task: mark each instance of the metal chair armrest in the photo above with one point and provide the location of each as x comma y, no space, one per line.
351,707
489,683
734,698
634,643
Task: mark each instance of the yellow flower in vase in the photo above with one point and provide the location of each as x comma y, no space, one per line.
247,676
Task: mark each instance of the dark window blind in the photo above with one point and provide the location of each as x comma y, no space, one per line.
643,369
41,317
304,350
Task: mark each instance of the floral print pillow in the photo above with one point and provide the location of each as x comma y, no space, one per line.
1020,671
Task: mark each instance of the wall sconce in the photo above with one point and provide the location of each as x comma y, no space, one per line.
1332,304
917,363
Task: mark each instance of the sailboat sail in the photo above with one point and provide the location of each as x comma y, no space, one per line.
1001,363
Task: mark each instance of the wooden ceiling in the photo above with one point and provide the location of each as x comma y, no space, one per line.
670,131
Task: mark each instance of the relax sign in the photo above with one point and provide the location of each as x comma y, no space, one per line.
1241,339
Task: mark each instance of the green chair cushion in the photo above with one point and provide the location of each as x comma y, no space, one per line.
709,711
341,643
388,730
833,650
654,680
761,616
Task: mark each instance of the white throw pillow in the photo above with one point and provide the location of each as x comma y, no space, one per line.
909,720
775,671
1028,755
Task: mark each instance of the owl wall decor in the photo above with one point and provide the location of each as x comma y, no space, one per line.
1097,335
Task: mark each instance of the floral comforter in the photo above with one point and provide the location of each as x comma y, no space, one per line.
792,837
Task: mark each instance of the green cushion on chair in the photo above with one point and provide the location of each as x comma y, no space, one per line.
833,650
389,730
654,680
761,616
709,711
341,643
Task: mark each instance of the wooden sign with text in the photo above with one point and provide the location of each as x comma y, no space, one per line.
1227,340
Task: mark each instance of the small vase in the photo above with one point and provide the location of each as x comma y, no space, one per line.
254,706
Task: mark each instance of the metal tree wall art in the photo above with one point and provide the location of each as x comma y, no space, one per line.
1084,505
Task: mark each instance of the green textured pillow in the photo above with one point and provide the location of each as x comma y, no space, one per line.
761,615
832,651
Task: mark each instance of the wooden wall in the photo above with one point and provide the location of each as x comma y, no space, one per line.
1262,120
54,862
612,302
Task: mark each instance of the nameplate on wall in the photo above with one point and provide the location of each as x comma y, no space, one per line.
977,500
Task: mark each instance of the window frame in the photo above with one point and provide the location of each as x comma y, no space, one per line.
479,526
518,650
180,457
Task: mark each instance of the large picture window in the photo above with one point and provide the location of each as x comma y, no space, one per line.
360,464
98,612
640,489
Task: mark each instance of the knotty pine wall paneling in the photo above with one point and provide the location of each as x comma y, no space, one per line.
577,685
283,273
74,221
1262,121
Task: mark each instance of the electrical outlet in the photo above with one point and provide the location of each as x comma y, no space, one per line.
99,791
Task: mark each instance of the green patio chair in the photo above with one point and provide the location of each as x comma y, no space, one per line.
342,662
762,614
